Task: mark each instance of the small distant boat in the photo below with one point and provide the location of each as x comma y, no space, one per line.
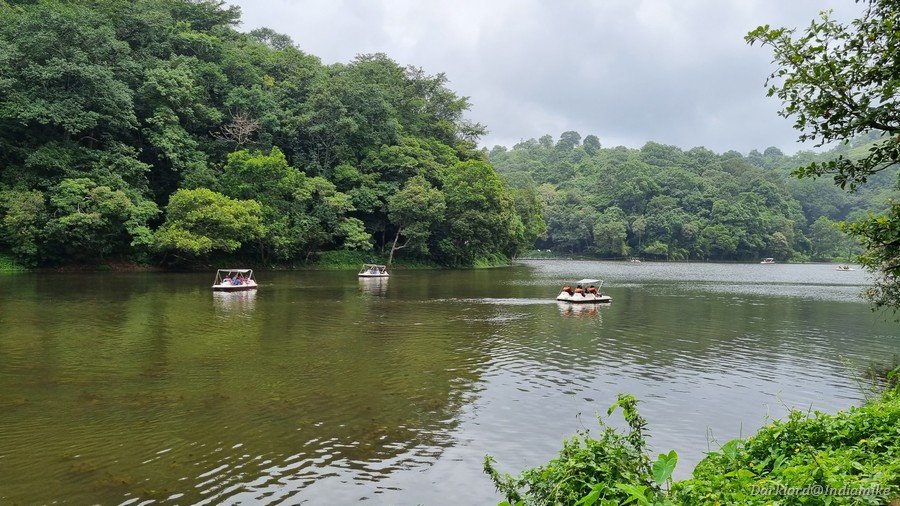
844,268
768,261
635,260
584,293
373,271
234,280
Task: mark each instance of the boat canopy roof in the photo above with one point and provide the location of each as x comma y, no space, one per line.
242,271
375,265
587,281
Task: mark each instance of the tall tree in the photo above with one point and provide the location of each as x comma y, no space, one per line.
839,81
414,210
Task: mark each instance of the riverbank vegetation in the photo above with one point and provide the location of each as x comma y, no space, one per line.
7,264
155,131
852,457
662,202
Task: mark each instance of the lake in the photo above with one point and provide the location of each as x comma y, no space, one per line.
129,388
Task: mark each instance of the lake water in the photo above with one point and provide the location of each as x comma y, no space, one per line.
128,388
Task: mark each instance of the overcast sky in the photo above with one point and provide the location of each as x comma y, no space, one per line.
672,71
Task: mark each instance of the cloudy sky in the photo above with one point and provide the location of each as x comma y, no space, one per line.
628,71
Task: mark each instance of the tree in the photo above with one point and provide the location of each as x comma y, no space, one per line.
717,240
591,144
880,236
611,232
108,108
569,140
271,38
23,226
827,241
657,249
840,81
300,213
778,245
531,213
90,219
414,210
240,130
201,221
481,219
77,88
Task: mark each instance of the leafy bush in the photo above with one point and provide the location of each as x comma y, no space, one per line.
852,457
612,469
490,260
7,264
853,450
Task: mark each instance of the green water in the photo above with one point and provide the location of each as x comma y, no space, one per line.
127,388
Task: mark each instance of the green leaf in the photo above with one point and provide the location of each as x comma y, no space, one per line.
592,497
664,466
730,449
635,493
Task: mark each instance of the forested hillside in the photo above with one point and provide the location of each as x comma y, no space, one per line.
153,130
665,203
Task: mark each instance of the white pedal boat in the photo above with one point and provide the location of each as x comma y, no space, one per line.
234,280
584,297
373,271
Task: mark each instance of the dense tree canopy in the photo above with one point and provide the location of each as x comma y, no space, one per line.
111,111
839,82
154,130
665,203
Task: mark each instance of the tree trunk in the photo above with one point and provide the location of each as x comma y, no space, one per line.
394,245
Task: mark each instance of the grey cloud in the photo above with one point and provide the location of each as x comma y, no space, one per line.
627,71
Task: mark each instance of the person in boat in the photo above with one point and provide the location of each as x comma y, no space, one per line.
592,290
373,270
580,290
226,280
567,289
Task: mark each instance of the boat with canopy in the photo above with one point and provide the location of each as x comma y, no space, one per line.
234,280
586,291
373,271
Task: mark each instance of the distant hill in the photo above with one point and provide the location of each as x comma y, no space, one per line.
663,202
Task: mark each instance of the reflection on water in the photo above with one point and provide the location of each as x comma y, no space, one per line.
579,310
241,302
124,388
373,286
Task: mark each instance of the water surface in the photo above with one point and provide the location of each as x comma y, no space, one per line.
131,388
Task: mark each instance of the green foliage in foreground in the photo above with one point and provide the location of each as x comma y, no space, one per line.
856,449
611,469
820,458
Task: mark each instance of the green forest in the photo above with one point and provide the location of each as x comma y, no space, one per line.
156,132
661,202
